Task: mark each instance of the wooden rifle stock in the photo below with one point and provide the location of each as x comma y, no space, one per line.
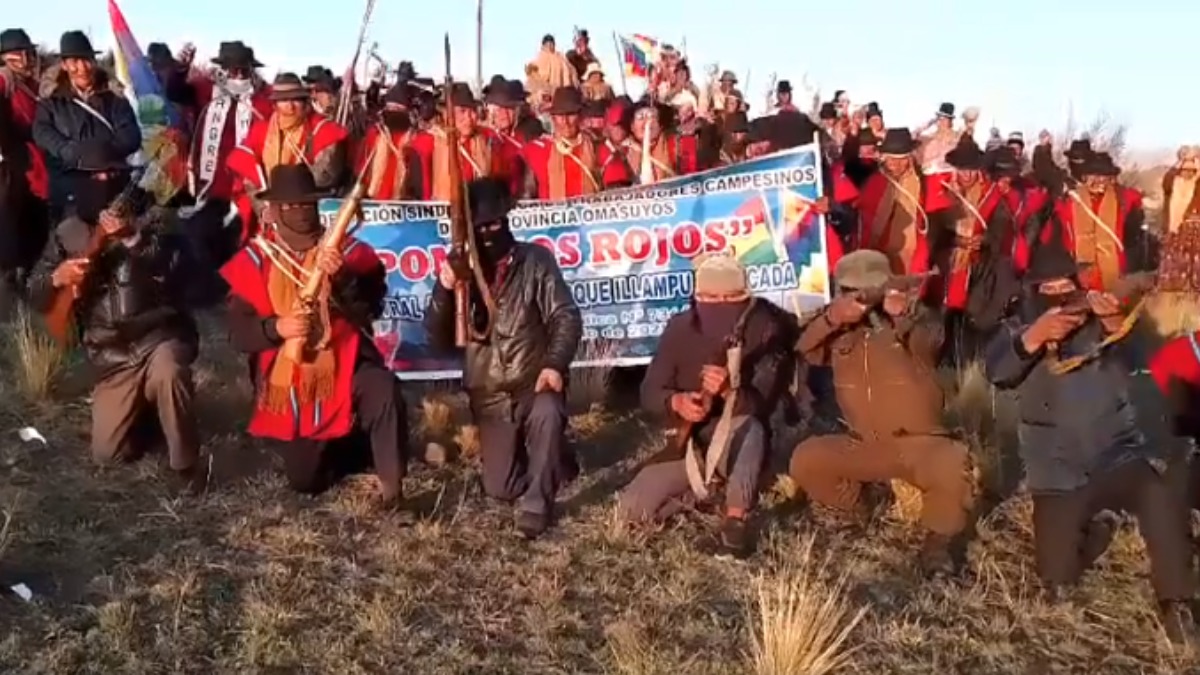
59,315
334,238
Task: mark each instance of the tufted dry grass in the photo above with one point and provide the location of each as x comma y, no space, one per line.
253,579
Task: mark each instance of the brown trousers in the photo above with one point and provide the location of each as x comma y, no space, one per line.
154,395
832,470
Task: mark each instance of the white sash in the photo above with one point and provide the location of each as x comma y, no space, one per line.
213,130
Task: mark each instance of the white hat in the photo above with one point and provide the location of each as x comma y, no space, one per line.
592,68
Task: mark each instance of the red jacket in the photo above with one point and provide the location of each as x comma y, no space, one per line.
21,100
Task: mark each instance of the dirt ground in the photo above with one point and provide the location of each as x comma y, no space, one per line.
127,578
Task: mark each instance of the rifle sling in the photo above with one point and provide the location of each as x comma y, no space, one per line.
701,473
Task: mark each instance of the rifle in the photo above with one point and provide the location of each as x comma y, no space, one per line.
314,294
677,446
874,297
464,254
1130,288
59,315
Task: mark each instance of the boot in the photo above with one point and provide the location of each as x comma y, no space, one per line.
1100,533
532,525
1178,622
192,481
935,560
734,538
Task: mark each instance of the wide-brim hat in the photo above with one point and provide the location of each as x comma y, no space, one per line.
966,156
1079,150
1099,164
399,94
1050,260
76,45
236,55
497,82
504,93
490,199
293,184
594,109
289,87
566,101
321,77
897,142
728,76
15,40
593,68
462,96
1002,163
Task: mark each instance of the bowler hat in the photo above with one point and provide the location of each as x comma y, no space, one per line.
728,76
1078,150
1050,260
784,87
873,110
288,87
293,184
828,111
503,93
946,110
489,199
594,109
497,82
966,156
897,141
76,45
15,40
236,55
566,101
1002,163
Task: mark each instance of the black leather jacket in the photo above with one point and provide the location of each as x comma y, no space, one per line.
130,301
537,326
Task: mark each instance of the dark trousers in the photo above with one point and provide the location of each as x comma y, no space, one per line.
1060,523
379,439
211,243
523,453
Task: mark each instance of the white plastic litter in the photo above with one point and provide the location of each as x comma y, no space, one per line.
29,434
23,592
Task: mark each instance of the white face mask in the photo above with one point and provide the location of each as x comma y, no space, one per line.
239,87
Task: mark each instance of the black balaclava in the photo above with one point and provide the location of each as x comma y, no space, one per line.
397,120
494,244
299,226
92,195
718,319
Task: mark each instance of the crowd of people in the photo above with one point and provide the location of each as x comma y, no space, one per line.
940,250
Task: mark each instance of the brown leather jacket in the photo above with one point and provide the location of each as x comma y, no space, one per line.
884,376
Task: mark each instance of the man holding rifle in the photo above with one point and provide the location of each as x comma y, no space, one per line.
883,348
515,378
338,410
717,376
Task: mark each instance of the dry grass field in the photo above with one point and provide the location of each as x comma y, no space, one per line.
250,578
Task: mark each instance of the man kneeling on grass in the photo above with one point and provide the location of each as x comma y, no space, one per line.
136,332
883,347
716,378
1080,443
338,408
515,375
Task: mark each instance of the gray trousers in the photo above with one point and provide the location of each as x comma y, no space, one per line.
522,456
659,491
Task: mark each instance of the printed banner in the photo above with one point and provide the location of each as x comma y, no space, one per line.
626,254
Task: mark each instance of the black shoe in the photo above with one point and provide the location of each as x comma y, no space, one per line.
192,481
1100,533
934,559
532,525
1178,622
734,538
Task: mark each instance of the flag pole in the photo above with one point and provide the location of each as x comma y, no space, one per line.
620,63
479,47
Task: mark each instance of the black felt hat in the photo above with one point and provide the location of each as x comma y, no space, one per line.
15,40
496,83
1002,163
828,111
966,155
736,123
897,142
1099,164
462,96
320,77
76,45
594,109
399,94
489,199
946,110
293,184
236,55
784,87
1050,260
159,54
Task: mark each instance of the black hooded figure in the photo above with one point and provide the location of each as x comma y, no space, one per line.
1080,442
515,374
